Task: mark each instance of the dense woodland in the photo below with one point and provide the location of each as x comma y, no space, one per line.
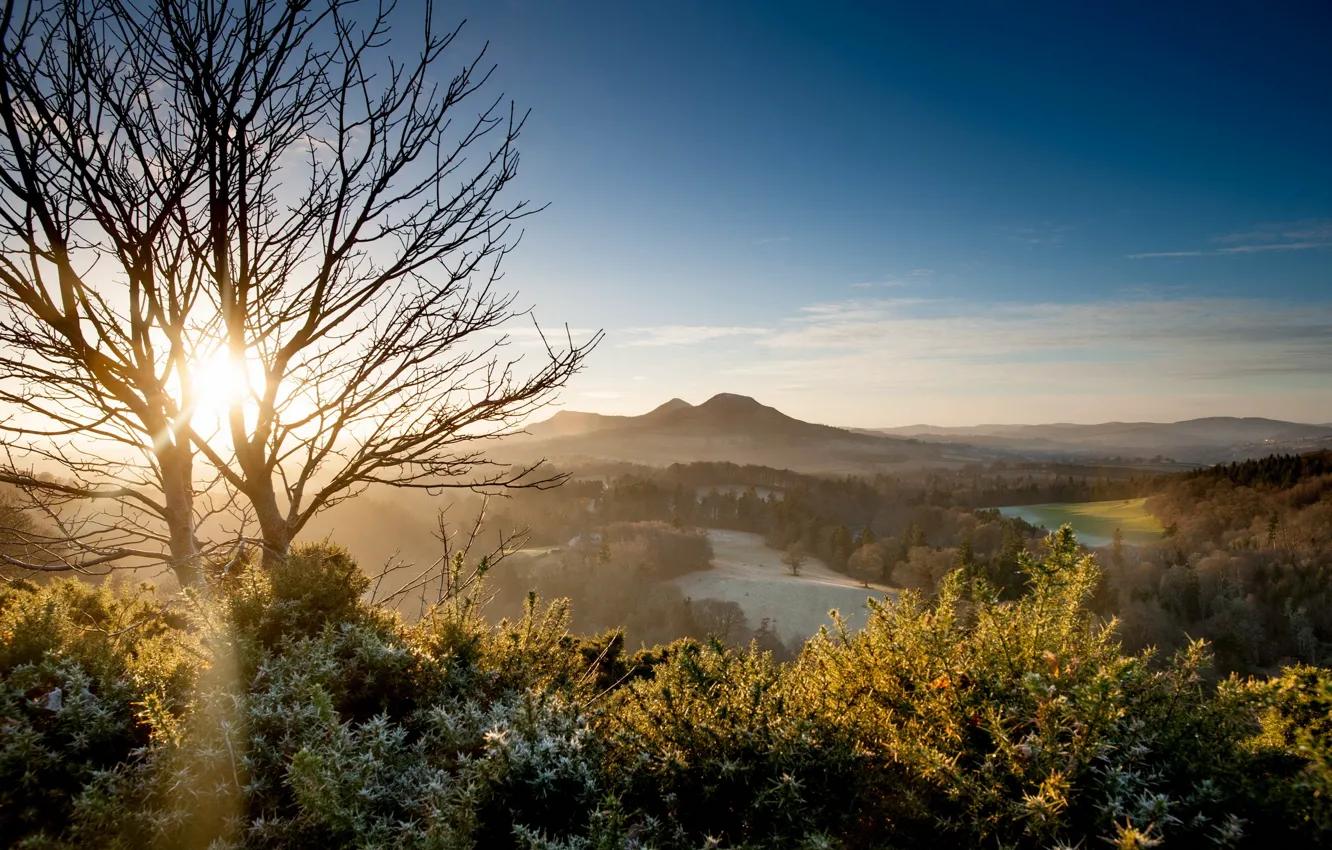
1247,563
618,578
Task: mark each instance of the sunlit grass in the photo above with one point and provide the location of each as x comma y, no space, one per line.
1093,520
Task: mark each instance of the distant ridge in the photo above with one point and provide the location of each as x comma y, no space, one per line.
727,427
740,429
1213,439
571,423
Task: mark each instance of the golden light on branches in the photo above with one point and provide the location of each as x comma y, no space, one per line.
250,266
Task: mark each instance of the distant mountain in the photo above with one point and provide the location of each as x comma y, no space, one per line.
729,427
736,428
572,423
1211,440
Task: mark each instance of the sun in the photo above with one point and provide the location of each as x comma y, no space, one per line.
218,383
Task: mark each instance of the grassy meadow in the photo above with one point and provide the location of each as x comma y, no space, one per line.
1095,522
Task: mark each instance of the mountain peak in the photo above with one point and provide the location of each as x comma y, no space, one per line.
672,405
732,401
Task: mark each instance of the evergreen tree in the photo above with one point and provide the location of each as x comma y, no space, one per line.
840,546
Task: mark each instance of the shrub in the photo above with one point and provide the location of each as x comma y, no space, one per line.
286,712
325,721
86,673
959,722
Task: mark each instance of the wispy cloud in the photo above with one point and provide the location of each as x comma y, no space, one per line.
1308,235
880,284
1046,233
687,334
915,277
963,348
1279,246
1315,230
1155,254
886,357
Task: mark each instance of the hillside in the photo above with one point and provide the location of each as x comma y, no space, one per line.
733,428
1210,440
739,429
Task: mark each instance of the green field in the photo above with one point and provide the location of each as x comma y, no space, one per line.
1094,522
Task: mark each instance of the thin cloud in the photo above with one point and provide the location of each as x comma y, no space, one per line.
915,277
1156,254
881,284
1308,235
1280,246
965,348
1046,233
1313,230
688,334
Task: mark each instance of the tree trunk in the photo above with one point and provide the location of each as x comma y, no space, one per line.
273,525
178,495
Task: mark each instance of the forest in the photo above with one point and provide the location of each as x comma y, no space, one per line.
1246,566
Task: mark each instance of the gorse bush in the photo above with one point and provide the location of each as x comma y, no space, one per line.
286,712
959,722
87,674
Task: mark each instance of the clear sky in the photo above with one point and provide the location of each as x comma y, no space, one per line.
879,213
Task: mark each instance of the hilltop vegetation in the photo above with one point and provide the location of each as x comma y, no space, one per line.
285,712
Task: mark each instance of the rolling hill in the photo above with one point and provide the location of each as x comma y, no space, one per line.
1211,440
736,428
733,428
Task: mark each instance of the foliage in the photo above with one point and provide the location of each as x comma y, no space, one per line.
609,580
962,722
1246,566
87,674
795,557
658,548
286,712
1276,471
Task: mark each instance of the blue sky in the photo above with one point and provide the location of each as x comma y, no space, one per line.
877,214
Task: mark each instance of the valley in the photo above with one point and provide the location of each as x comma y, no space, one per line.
752,575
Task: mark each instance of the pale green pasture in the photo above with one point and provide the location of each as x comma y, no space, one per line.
1095,522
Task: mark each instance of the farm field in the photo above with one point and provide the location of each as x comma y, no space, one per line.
747,572
1094,522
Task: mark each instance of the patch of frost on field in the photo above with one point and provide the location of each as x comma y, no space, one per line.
747,572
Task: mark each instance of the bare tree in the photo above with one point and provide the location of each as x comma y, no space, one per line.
795,557
720,619
263,190
866,563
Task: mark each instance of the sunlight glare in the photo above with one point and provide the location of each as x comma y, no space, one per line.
219,382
